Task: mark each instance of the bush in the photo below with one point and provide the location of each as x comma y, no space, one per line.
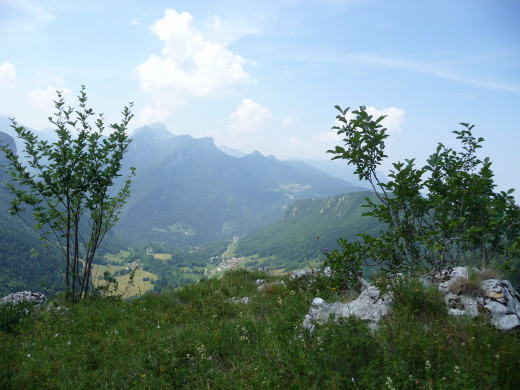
445,213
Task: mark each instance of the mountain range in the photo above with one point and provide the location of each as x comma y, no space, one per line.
188,192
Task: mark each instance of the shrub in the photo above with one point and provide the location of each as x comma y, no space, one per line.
445,213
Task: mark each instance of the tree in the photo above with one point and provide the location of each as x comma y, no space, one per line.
445,213
68,186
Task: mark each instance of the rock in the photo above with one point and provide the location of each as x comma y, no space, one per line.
310,272
499,300
266,270
503,303
27,296
447,278
369,306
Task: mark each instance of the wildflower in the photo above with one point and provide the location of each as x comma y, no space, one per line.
29,355
428,365
56,335
497,356
158,326
116,332
456,370
143,376
325,249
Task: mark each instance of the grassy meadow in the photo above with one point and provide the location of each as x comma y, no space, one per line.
197,337
117,263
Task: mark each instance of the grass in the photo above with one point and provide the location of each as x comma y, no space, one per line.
195,338
138,287
162,256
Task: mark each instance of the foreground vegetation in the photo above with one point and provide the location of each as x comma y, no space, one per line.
195,337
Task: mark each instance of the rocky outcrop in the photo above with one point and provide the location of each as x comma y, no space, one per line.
370,306
25,296
496,300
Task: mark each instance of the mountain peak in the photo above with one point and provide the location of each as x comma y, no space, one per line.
156,130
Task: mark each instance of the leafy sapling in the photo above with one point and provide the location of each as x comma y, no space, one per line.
67,185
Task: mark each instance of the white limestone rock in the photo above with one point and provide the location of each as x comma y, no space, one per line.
370,306
500,302
27,296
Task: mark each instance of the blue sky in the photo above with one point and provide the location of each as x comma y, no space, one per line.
265,75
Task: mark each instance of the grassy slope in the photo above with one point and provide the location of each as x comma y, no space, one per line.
195,338
138,287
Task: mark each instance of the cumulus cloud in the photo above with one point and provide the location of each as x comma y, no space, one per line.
44,98
190,65
7,75
394,118
248,118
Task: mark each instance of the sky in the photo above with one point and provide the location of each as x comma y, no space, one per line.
266,75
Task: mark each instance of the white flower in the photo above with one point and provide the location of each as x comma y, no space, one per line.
28,355
56,335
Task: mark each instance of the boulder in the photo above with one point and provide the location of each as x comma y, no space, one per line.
27,296
370,306
498,301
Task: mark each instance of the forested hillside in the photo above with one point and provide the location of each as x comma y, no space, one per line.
308,227
24,262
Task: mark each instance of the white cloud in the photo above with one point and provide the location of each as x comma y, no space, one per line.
249,117
290,120
149,115
234,26
44,98
394,118
317,145
190,65
7,75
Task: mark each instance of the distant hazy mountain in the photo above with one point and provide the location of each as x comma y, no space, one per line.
232,152
19,268
334,168
187,191
307,227
5,139
47,134
341,169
